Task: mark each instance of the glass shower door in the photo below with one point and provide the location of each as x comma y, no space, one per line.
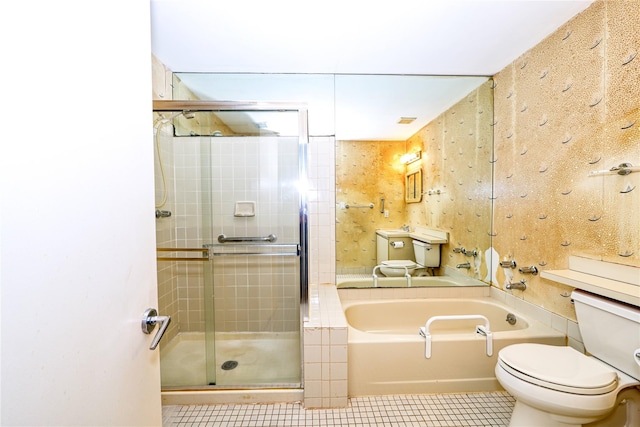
253,295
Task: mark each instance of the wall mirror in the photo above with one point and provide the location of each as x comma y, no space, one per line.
413,186
374,120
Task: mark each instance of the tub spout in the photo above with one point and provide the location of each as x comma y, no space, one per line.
464,265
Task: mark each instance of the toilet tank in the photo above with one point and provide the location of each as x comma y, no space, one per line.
610,330
427,255
394,248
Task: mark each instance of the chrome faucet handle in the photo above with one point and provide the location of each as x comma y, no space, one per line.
521,285
508,264
529,270
473,253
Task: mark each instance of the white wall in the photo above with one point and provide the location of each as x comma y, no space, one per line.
77,232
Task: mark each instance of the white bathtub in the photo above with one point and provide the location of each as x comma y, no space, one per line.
386,354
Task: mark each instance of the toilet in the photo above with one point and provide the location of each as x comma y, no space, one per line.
426,255
560,386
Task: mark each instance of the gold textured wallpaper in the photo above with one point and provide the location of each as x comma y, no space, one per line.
456,160
565,109
366,171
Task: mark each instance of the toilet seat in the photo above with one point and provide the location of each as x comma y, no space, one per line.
400,263
559,368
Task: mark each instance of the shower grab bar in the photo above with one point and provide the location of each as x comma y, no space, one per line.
482,330
369,206
270,238
205,254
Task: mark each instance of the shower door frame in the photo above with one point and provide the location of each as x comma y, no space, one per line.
303,140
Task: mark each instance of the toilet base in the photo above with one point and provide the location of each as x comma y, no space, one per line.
525,416
625,414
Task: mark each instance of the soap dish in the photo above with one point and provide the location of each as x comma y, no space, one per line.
245,209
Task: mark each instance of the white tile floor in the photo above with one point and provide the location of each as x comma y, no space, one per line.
452,410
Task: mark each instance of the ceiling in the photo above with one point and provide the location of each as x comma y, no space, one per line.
416,37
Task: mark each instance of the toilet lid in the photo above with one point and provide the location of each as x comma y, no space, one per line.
399,263
558,367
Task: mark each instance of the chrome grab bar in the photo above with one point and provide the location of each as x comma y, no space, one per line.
482,330
369,206
224,239
205,253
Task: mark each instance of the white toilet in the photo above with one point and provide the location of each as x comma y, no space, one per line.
426,255
560,386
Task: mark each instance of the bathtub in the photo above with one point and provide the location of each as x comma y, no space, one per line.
386,353
416,282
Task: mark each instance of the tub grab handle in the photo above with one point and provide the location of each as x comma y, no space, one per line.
483,330
375,276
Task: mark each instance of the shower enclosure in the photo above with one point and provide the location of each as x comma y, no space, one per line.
232,242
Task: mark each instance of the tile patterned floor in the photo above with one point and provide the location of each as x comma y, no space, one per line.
432,410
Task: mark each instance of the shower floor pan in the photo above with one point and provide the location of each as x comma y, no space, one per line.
263,360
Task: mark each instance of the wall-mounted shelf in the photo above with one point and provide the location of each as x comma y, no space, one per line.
616,281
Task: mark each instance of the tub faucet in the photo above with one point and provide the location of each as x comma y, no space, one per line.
521,285
464,265
529,270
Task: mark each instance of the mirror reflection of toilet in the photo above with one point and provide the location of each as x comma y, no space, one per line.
426,255
560,386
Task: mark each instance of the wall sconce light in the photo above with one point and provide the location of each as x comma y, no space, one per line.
411,157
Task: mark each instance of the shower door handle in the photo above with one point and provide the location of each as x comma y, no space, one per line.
149,320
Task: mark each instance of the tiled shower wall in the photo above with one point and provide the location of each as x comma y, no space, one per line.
568,107
256,293
166,228
180,290
322,213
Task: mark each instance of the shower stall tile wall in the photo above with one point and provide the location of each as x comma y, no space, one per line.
322,215
241,281
166,228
